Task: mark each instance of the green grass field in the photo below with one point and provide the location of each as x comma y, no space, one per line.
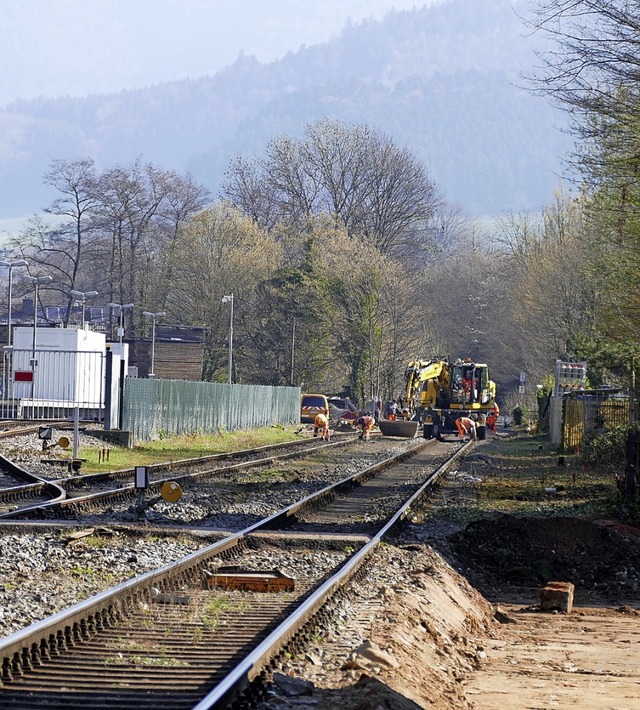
175,448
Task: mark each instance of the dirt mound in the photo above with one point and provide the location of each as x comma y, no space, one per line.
407,638
528,552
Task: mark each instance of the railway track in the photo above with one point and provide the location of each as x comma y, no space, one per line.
16,427
73,495
173,639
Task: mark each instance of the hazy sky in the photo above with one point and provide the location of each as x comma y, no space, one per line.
79,47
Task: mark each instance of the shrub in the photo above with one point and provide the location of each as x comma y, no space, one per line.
608,447
518,415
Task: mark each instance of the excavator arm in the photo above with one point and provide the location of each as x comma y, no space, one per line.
424,381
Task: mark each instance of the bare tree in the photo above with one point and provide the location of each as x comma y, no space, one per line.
370,186
554,294
593,71
142,209
66,245
594,63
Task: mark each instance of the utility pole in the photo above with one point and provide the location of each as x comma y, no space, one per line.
229,299
293,349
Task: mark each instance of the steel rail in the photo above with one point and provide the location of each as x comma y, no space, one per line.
253,664
303,444
63,620
55,507
32,482
30,428
29,646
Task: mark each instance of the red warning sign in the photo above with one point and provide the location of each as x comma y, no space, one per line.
23,376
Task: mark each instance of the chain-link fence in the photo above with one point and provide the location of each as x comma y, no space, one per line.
155,407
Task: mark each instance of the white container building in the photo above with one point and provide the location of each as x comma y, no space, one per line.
67,366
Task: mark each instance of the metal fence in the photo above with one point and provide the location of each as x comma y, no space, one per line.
51,384
151,408
591,412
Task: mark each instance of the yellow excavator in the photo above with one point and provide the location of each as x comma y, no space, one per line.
438,392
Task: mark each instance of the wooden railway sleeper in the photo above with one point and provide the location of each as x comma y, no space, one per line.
113,617
84,630
53,645
7,672
36,659
99,621
73,635
16,666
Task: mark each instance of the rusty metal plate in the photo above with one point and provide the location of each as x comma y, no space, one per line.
235,578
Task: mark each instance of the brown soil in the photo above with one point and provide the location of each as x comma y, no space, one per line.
508,554
419,634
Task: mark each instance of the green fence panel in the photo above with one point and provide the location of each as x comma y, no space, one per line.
155,407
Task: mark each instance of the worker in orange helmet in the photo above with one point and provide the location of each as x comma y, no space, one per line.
466,427
492,417
321,424
365,424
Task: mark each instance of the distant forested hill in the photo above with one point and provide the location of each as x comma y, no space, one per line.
441,81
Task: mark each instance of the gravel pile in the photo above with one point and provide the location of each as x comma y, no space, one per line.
405,638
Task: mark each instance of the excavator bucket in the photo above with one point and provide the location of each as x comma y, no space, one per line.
398,427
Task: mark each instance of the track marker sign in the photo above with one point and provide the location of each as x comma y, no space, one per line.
171,492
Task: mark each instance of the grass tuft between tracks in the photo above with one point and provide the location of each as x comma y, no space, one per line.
174,448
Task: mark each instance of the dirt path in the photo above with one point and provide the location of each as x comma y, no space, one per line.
589,659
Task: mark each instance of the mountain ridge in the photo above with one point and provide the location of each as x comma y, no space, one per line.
416,75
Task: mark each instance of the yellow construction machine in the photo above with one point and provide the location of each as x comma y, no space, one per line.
438,392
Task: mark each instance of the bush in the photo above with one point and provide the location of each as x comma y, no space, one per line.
608,447
518,415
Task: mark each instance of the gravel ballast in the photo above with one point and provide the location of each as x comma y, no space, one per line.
42,574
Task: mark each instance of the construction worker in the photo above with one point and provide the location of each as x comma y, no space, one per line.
492,417
365,424
391,410
321,424
470,387
466,427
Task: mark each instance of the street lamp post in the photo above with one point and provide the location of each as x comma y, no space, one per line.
36,281
82,297
12,265
121,308
153,316
229,299
8,352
